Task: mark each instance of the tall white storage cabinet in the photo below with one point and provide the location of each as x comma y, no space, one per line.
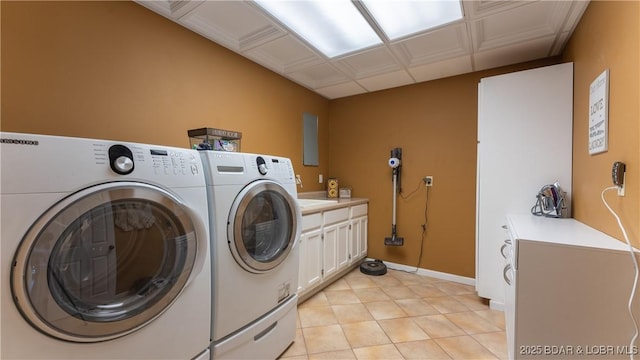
524,143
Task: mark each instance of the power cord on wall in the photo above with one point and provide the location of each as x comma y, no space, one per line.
413,192
424,224
635,266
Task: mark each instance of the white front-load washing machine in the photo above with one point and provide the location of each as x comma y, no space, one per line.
255,225
105,250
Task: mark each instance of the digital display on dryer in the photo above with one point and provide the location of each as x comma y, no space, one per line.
159,152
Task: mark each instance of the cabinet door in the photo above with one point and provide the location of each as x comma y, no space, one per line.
342,243
310,259
354,235
362,240
330,249
358,238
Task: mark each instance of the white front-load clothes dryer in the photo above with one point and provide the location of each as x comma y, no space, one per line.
104,250
255,222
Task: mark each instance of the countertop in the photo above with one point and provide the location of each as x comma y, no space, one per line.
340,203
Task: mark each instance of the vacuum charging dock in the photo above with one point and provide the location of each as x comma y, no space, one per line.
394,241
394,163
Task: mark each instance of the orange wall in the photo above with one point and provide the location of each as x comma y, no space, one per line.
435,124
607,38
116,70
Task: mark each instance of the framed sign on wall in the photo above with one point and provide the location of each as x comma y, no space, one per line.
599,114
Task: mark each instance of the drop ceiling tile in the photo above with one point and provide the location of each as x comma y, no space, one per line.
341,90
368,63
161,7
479,8
493,33
513,54
447,42
233,24
442,69
180,7
283,55
318,76
386,81
168,8
577,9
559,44
519,24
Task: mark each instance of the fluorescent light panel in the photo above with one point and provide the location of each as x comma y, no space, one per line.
401,18
334,27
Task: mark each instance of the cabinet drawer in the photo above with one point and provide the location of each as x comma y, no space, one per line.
358,210
311,221
334,216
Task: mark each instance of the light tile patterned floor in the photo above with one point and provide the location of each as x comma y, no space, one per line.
399,315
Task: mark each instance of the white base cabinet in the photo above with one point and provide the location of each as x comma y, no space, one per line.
335,235
358,233
331,243
310,273
567,289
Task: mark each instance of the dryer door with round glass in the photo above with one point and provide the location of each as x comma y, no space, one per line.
262,226
104,261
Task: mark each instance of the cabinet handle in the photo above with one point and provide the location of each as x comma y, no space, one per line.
504,274
504,246
505,227
507,243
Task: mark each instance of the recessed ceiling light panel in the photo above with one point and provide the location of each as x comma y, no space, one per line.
334,27
400,18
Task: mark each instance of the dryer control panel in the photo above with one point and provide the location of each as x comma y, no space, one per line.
148,160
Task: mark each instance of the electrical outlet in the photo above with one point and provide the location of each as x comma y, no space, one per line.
320,179
618,175
622,185
428,180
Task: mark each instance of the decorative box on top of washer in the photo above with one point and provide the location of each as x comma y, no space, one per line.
214,139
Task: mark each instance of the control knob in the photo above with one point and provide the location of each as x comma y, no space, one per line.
123,164
121,159
262,165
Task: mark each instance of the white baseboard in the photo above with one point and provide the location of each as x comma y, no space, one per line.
494,305
431,273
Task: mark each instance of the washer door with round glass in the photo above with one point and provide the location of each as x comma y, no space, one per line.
263,226
104,262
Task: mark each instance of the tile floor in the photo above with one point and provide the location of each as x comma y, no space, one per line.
399,315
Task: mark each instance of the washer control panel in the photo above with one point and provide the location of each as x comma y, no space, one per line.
275,167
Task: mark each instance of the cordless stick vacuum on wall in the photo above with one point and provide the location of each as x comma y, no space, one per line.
377,267
394,163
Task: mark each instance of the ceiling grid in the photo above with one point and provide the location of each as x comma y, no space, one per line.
490,34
